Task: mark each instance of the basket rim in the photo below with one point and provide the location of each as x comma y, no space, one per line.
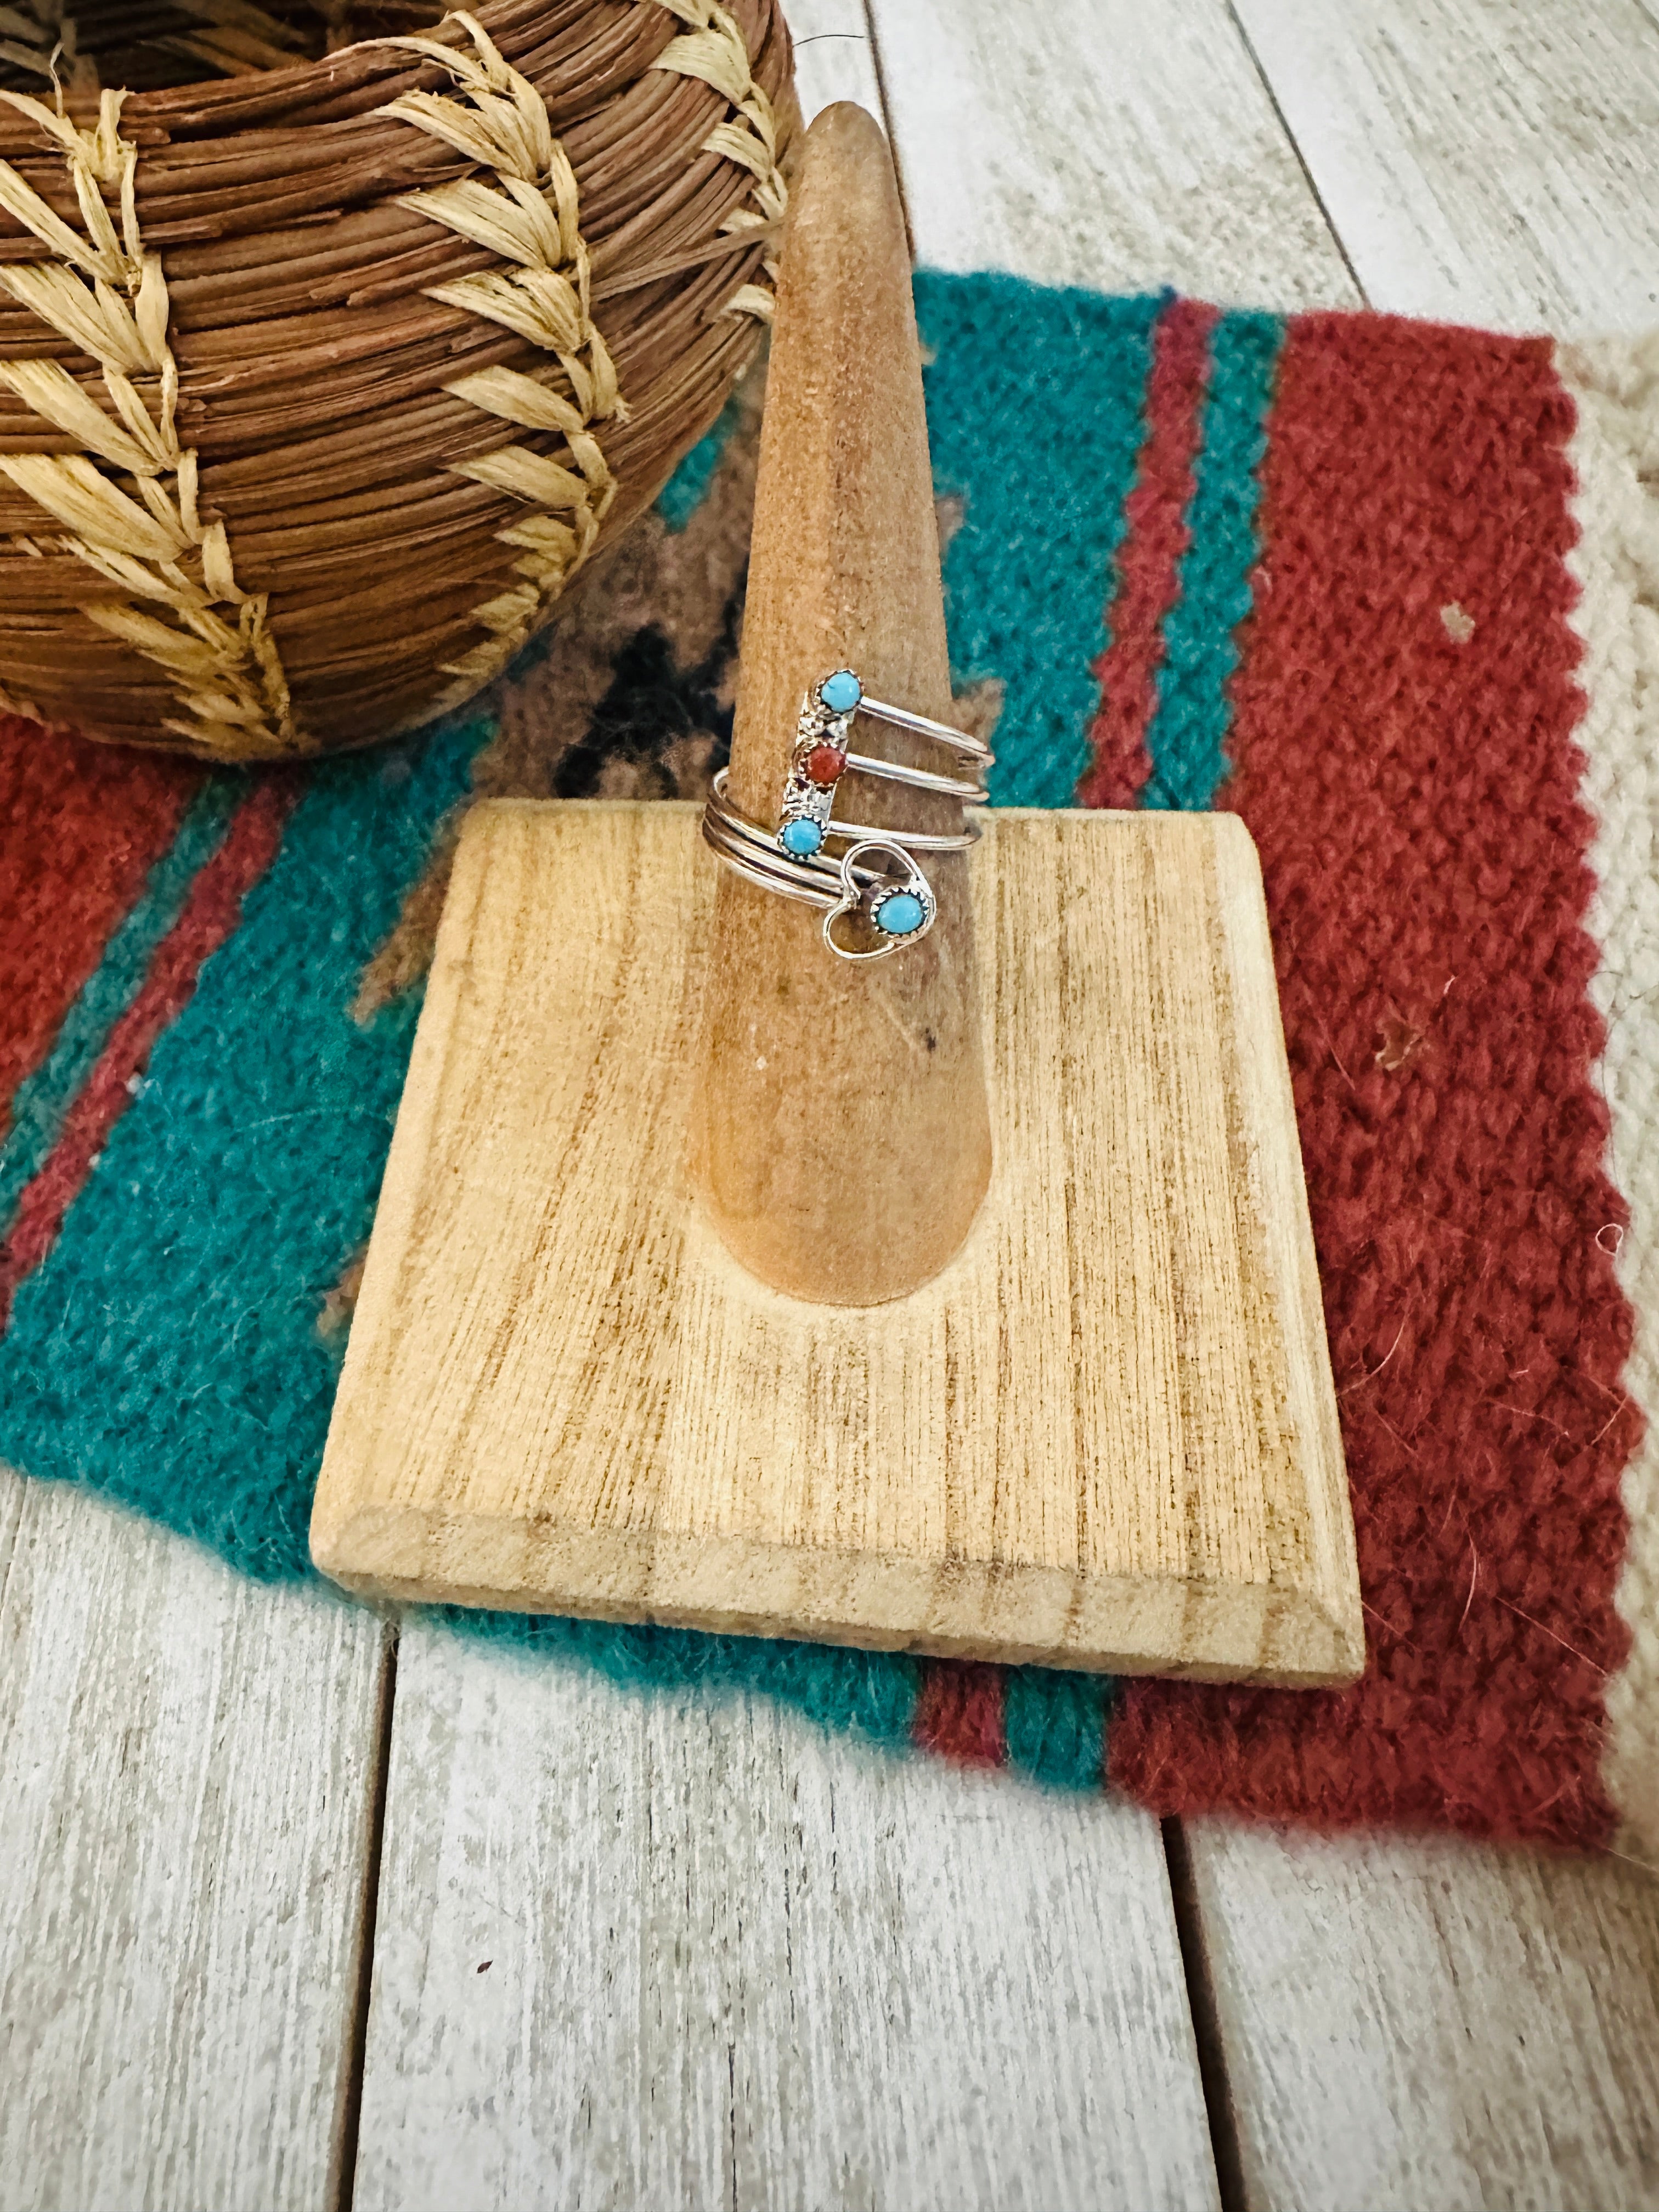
196,95
197,579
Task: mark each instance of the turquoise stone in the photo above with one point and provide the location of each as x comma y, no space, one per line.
801,837
900,914
841,692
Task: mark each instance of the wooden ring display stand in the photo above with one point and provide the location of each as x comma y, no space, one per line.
966,1304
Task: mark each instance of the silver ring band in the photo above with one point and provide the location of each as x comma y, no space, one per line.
959,741
918,779
765,840
896,904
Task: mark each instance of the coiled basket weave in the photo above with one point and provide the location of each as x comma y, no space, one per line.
321,380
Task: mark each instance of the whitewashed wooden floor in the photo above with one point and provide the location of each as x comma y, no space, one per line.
290,1916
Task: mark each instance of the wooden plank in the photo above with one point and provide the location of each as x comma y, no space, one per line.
1482,162
1102,143
1047,2061
834,57
672,1950
1105,1435
12,1493
1423,2022
1038,2065
189,1760
1405,2021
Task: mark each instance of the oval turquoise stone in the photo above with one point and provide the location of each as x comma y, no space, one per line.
801,837
899,916
841,692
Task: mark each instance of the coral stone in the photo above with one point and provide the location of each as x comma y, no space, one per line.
802,837
900,915
841,692
823,764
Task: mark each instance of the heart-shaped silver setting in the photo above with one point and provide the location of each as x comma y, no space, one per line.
868,895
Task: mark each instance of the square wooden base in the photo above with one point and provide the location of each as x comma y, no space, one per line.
1105,1437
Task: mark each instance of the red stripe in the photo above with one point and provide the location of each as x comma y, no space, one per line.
959,1714
1149,558
1415,801
80,827
210,914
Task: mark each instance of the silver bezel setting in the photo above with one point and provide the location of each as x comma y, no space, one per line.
846,882
922,892
865,899
803,799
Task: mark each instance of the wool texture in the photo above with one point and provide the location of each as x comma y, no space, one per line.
1389,591
81,828
1415,798
210,910
1156,537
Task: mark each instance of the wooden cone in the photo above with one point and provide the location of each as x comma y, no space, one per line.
840,1134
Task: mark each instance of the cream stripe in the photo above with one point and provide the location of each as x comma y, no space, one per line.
134,518
1615,453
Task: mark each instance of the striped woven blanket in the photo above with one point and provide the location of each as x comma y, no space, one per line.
1391,592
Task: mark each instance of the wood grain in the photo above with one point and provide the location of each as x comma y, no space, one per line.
1482,161
1420,2021
1101,142
729,1959
1018,2068
839,1136
189,1760
1105,1436
12,1494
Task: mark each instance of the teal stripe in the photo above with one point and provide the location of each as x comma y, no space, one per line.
45,1097
683,493
167,1350
1035,414
1188,737
1055,1724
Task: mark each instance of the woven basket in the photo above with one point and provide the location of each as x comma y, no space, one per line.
321,382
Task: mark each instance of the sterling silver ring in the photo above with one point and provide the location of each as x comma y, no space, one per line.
895,902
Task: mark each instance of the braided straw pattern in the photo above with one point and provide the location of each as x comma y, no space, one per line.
407,280
135,521
714,50
500,121
497,119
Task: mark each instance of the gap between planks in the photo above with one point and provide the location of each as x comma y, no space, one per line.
1479,162
189,1778
435,2056
702,1951
1427,231
342,2178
